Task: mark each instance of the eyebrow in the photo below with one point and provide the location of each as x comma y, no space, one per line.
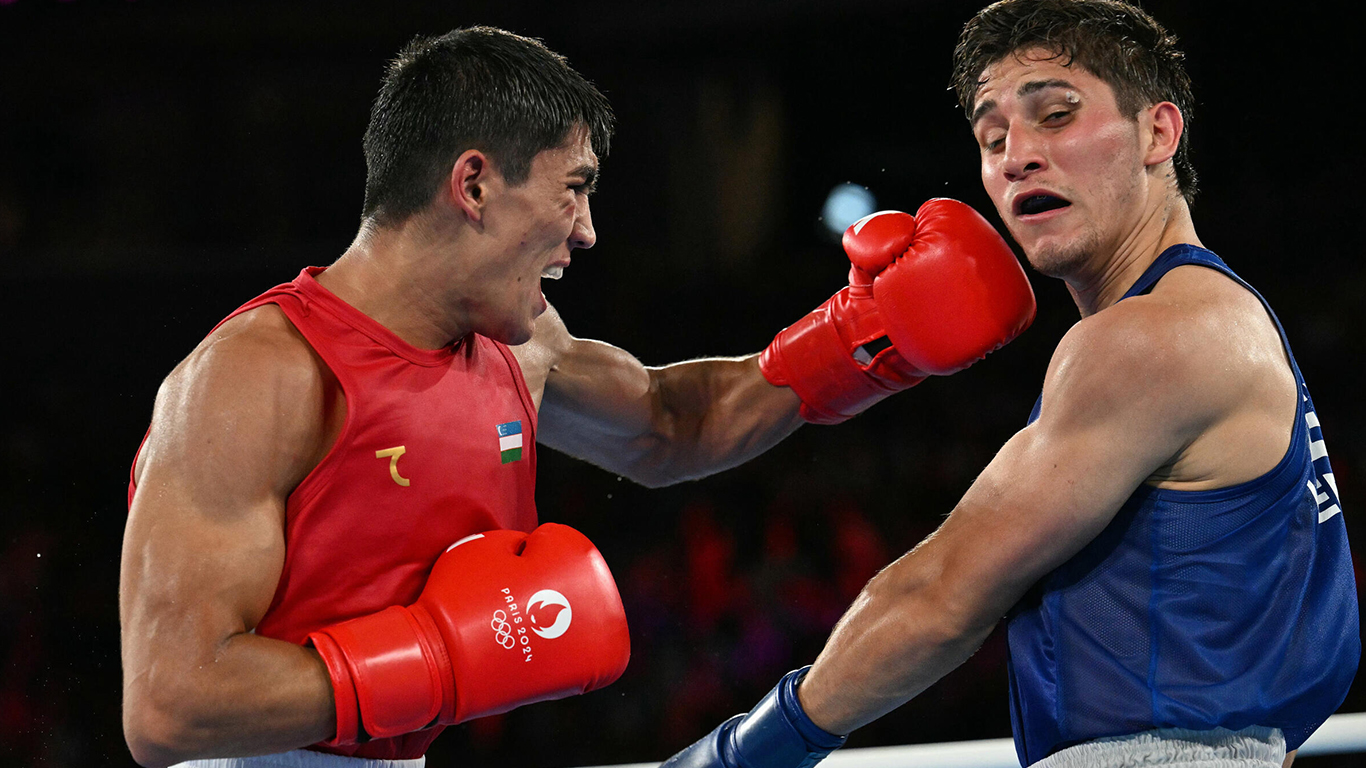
1033,86
589,174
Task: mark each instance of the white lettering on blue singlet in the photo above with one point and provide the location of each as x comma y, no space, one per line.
1324,487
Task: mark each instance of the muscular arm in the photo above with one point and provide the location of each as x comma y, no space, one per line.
236,427
1117,405
913,276
654,425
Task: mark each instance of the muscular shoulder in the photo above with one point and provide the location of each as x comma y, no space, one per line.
1196,364
253,380
1132,351
1196,328
258,350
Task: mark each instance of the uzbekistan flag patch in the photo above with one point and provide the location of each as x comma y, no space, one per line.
510,440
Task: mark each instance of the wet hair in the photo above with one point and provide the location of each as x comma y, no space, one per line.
474,88
1114,40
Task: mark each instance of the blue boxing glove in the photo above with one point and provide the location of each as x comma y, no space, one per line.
775,734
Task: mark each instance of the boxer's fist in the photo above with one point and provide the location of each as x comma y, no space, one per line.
875,241
952,294
823,359
775,734
506,619
941,286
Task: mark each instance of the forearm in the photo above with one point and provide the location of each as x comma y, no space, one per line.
252,696
904,632
712,415
893,643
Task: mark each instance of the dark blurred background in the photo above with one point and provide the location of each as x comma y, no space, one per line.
161,163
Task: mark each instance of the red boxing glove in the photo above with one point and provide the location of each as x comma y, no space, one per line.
956,291
507,618
945,291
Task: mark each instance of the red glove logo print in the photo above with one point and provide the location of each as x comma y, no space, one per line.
541,607
502,630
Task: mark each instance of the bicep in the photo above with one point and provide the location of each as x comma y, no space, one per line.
590,395
190,576
655,425
1038,503
600,404
660,425
1056,484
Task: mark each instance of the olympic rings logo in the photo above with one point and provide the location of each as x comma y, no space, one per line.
502,630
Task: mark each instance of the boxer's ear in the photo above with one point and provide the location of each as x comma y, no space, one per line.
468,184
1164,125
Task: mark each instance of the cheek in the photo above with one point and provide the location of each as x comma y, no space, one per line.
994,182
1105,154
553,221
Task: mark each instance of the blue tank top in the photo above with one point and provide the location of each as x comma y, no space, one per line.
1195,609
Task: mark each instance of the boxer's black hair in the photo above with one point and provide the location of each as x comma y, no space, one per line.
1116,41
474,88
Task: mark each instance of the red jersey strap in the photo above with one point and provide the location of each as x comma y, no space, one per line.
515,368
133,470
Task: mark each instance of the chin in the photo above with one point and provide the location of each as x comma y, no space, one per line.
514,337
1056,259
511,332
513,327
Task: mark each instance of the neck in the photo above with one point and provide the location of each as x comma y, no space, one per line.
397,276
1160,227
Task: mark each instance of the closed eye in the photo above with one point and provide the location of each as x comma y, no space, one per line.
589,174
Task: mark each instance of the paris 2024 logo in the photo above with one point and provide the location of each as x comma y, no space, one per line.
547,613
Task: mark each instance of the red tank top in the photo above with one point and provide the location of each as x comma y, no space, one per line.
436,445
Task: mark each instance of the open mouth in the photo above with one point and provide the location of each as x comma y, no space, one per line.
552,273
1035,204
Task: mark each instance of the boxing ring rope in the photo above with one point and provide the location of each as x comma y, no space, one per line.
1343,733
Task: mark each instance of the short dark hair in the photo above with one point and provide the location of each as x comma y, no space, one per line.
1116,41
474,88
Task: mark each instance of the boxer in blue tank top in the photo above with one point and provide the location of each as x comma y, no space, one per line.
1164,535
1169,605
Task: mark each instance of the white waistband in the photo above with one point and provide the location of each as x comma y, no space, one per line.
302,758
1253,747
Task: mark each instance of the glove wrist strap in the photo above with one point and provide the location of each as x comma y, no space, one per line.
343,691
815,736
810,357
778,729
387,659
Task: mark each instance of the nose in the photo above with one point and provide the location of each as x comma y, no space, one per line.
1024,154
582,235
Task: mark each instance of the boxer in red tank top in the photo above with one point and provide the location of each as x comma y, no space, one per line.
332,544
415,419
